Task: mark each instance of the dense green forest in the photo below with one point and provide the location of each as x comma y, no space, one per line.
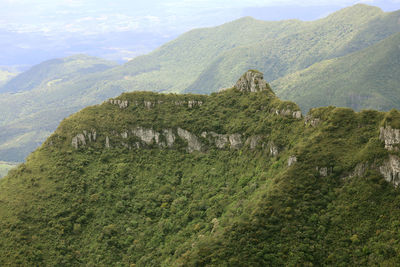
205,60
237,178
365,79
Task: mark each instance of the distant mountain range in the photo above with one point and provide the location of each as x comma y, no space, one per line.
297,57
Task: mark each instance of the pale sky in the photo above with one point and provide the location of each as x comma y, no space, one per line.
93,16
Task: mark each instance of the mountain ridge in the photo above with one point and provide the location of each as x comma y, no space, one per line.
191,180
201,61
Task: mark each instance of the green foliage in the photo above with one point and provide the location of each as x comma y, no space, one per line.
365,79
221,207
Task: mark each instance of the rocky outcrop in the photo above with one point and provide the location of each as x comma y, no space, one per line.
292,160
107,142
359,170
323,171
235,140
121,103
251,81
141,137
194,103
193,142
296,114
273,149
80,139
253,141
169,137
287,113
148,136
148,104
391,170
310,120
391,137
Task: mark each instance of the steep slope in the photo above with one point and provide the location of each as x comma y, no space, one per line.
369,78
237,178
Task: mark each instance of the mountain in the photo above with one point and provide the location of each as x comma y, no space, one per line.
34,102
200,61
237,178
54,71
298,45
366,79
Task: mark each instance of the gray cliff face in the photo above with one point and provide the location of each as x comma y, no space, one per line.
193,142
148,136
141,137
121,103
391,137
273,149
391,170
235,140
80,139
359,170
169,136
292,160
252,81
107,142
151,104
287,113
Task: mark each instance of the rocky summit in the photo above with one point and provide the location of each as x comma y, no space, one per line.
252,81
236,178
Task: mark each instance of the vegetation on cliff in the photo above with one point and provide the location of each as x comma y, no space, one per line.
262,186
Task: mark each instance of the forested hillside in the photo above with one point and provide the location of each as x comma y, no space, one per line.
237,178
367,79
